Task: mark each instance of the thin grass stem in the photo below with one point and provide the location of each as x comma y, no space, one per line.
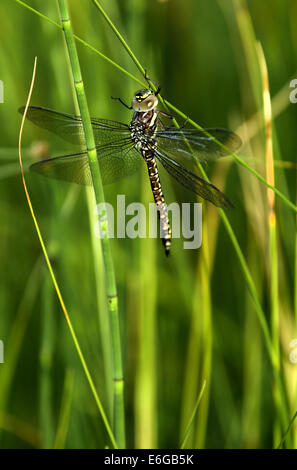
191,420
103,56
287,431
63,423
120,37
48,335
203,309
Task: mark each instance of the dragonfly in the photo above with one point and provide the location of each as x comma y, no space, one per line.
123,148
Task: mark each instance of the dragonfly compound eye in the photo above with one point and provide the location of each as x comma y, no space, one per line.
144,100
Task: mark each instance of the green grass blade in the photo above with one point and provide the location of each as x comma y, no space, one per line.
191,420
273,256
63,423
103,56
120,37
287,431
111,291
102,307
18,331
47,346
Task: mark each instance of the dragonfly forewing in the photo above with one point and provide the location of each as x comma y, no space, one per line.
116,153
70,128
194,144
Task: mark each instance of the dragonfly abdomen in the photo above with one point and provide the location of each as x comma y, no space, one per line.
158,198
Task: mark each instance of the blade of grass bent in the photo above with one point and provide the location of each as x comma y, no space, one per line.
287,431
189,426
57,289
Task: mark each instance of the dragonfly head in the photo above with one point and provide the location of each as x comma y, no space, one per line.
144,101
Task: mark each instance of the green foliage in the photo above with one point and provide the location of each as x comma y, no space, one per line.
197,317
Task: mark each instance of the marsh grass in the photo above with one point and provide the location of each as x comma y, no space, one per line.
198,323
272,229
45,389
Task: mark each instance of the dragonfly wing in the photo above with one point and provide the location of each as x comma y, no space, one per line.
194,182
115,163
73,168
118,161
192,143
70,128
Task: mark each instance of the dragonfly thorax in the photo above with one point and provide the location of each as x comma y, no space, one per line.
143,129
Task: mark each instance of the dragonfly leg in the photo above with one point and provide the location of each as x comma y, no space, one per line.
168,116
122,102
154,82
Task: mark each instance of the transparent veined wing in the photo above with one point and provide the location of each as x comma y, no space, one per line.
176,142
69,127
116,153
193,182
115,163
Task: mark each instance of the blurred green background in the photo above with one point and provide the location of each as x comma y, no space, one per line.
186,319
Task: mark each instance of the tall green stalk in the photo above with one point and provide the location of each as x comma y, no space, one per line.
111,291
272,228
46,364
